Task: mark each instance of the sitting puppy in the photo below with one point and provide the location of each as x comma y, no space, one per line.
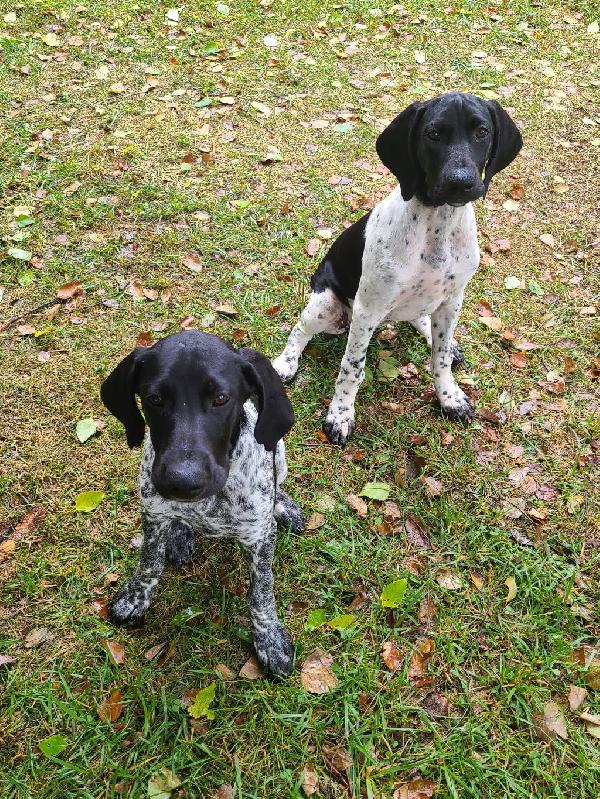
411,257
212,463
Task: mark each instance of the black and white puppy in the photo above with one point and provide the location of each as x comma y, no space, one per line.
410,258
213,463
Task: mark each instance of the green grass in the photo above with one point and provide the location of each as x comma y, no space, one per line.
134,216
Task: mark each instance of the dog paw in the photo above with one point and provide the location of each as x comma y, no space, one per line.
339,428
457,354
288,514
181,544
275,650
128,607
286,367
459,409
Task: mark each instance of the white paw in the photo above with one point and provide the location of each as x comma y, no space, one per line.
457,406
286,366
339,426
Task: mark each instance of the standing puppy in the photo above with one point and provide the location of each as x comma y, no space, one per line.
212,463
410,258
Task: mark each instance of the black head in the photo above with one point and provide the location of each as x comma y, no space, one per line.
439,149
192,388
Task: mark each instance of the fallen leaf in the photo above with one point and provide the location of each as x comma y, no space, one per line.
416,533
26,330
518,359
6,549
315,521
392,657
357,504
38,636
449,579
511,584
225,672
379,491
202,702
493,322
427,610
53,745
6,660
251,669
312,247
577,694
433,487
393,593
316,675
192,261
51,39
162,784
261,108
436,705
88,501
226,308
85,429
547,239
224,791
155,650
417,789
115,650
310,781
111,708
551,723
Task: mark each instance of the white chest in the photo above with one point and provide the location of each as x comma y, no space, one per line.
416,257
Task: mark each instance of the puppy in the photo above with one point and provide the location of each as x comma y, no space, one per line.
213,463
410,258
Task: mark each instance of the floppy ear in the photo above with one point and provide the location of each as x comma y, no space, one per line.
275,414
396,148
507,142
118,394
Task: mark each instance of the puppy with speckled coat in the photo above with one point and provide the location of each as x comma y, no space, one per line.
411,257
213,463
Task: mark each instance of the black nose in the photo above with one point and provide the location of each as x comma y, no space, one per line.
461,181
183,480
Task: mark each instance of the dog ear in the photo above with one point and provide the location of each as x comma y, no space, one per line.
506,144
118,394
275,413
396,148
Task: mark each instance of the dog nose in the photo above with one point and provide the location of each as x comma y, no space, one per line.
461,181
184,479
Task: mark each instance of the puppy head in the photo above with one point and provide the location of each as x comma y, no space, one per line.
192,387
439,149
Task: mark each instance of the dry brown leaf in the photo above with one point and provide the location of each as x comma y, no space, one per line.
433,487
193,262
392,657
144,339
315,675
38,636
551,723
358,504
548,240
449,579
226,308
416,533
251,669
338,758
436,705
312,247
25,330
417,789
518,359
225,672
28,523
427,610
111,708
6,549
156,650
224,791
493,322
70,290
310,781
115,650
186,323
315,521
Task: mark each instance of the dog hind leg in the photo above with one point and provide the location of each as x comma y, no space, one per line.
324,313
423,326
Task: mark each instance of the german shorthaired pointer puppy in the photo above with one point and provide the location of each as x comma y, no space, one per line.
213,463
411,257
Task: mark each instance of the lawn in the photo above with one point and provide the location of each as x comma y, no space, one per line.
188,165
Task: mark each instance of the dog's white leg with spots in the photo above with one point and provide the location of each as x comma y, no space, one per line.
274,647
339,423
423,326
455,403
324,313
131,602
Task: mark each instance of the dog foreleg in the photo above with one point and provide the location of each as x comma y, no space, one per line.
131,602
455,403
339,423
272,642
423,326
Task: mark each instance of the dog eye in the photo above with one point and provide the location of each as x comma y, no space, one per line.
481,132
433,135
154,399
221,399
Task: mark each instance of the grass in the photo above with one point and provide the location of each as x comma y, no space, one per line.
113,201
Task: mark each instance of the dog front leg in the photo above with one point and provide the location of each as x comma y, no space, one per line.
131,602
455,403
339,423
274,647
423,325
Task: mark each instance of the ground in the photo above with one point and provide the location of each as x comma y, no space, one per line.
243,134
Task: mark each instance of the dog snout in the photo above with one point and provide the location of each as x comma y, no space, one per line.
189,479
461,180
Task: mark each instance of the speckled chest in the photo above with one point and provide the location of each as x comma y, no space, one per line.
245,504
417,257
